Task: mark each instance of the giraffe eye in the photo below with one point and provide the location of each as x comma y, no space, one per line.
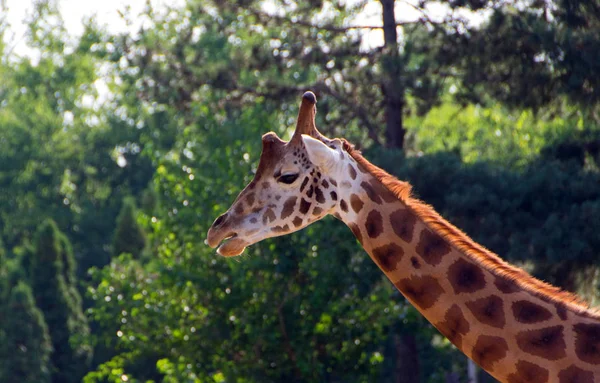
288,178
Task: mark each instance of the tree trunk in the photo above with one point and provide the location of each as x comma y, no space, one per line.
407,362
391,86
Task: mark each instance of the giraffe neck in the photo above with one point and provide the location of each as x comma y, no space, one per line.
516,328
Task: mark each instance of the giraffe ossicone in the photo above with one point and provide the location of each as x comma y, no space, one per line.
514,326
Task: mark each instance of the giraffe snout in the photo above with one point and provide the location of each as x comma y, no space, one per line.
219,220
218,231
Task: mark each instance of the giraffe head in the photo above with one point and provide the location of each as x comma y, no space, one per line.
294,185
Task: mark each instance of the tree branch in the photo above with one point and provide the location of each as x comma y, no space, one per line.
332,28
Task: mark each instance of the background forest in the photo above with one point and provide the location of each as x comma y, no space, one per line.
118,150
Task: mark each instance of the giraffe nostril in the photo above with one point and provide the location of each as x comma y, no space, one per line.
220,220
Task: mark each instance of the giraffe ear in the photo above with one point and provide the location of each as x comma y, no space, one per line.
319,154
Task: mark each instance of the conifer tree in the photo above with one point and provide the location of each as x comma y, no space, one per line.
129,236
26,346
58,299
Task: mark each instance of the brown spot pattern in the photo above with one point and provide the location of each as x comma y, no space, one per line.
547,342
506,285
561,310
356,203
317,210
333,196
325,184
352,171
432,247
304,183
528,312
371,192
269,216
304,206
297,222
280,229
319,195
403,222
382,191
488,310
489,350
388,256
356,231
344,206
454,325
465,277
587,342
250,199
288,207
333,182
374,224
415,262
574,374
528,373
239,209
422,291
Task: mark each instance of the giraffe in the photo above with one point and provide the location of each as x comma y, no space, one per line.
517,328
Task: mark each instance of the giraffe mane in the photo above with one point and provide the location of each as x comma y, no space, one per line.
473,250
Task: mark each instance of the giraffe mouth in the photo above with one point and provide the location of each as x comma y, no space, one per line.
231,246
226,239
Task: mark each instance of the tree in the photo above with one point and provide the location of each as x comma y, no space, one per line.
129,236
26,347
277,55
530,56
62,149
60,303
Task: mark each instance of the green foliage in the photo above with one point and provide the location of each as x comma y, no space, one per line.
512,139
60,304
112,371
129,235
26,346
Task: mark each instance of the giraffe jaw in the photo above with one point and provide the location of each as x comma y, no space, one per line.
228,246
232,246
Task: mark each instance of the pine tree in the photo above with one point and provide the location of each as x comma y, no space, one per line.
129,236
26,346
58,299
